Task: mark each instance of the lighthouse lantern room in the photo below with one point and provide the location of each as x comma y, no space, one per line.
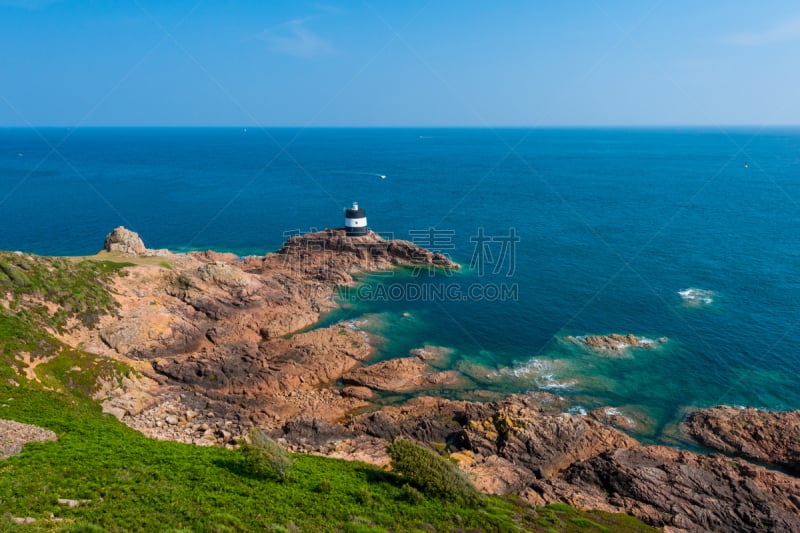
355,221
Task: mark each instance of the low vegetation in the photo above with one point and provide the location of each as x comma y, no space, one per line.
264,456
51,290
41,295
431,473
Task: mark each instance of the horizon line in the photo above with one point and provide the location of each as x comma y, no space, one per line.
364,127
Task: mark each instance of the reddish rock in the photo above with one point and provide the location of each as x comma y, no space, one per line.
614,342
544,443
668,487
361,393
613,417
766,436
210,256
403,375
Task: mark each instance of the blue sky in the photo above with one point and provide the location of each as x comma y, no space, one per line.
410,63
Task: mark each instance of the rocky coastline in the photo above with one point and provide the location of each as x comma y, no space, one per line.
223,343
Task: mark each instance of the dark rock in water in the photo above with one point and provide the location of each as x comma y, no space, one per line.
765,436
614,342
125,241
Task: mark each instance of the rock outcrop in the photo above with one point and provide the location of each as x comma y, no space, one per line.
765,436
668,487
332,255
614,342
403,375
14,435
525,445
125,241
218,327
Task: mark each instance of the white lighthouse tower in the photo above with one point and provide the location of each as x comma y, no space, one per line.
355,221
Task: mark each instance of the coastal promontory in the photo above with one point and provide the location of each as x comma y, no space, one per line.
204,346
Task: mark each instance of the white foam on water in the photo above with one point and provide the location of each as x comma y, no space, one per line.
548,382
696,297
529,369
613,411
557,385
355,325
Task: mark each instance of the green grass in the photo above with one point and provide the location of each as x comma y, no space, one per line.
135,483
560,517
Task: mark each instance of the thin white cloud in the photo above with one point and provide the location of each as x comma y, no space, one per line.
783,31
296,39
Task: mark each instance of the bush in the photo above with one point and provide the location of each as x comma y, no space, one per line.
264,456
325,487
363,497
412,495
432,473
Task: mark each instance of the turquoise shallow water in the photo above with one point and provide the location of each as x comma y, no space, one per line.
612,226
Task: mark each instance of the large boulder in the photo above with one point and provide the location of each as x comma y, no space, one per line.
125,241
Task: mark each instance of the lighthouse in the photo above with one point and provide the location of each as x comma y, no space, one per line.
355,221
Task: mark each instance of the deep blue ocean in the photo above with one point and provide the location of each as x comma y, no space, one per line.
693,235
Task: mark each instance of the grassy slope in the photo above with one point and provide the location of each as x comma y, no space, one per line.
134,483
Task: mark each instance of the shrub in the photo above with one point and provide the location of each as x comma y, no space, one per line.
325,487
432,473
264,456
412,495
364,497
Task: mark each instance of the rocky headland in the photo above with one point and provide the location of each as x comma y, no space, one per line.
222,343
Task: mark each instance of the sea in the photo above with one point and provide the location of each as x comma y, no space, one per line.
688,238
